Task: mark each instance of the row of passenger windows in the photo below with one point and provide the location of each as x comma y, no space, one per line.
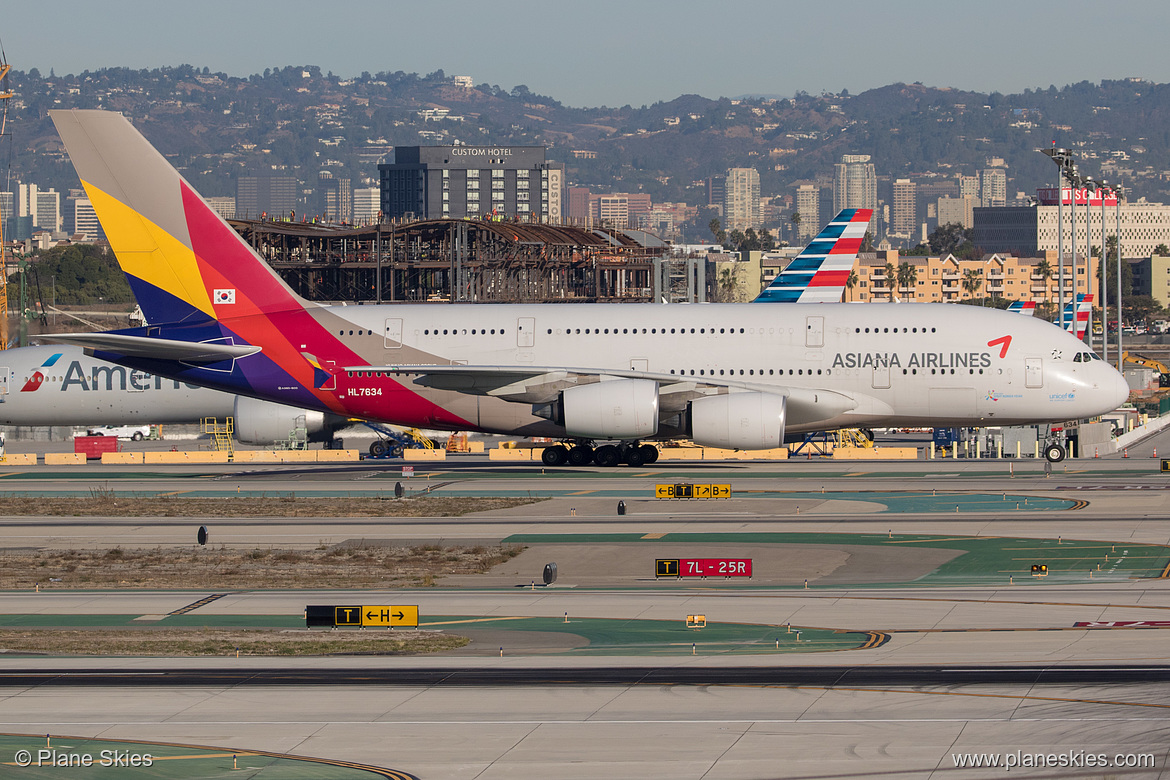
751,372
894,330
455,331
598,331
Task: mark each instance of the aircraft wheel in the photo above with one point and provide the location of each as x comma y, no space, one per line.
635,457
607,456
554,456
397,450
378,448
649,453
1054,453
581,455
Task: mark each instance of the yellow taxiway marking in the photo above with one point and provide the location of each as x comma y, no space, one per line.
648,474
581,493
858,473
474,620
654,536
1165,572
11,474
173,493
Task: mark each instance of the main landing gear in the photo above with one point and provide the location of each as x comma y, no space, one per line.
607,455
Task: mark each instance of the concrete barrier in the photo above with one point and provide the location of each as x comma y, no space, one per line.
129,458
185,456
424,454
295,456
680,453
19,459
875,453
254,456
338,456
475,447
64,458
716,453
509,454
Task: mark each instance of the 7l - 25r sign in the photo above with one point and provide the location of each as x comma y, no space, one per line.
703,567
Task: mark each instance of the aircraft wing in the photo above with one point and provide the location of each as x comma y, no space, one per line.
542,384
160,349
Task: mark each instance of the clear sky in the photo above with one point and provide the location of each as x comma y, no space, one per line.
613,52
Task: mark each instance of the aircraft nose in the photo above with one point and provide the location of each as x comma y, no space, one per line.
1117,388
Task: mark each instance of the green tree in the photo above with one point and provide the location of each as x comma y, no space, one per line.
907,277
1140,308
1044,271
851,282
891,277
716,228
972,281
1161,250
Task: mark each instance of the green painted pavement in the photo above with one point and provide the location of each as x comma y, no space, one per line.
604,635
986,560
668,638
63,756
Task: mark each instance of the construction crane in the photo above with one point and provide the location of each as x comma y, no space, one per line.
5,96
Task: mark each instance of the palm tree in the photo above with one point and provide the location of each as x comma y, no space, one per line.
972,281
1044,270
891,277
851,282
907,277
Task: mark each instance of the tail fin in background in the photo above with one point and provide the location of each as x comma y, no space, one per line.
820,271
1076,315
183,262
1027,308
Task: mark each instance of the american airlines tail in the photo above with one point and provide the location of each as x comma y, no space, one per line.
820,272
1076,315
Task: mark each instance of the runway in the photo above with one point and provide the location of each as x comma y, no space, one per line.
968,662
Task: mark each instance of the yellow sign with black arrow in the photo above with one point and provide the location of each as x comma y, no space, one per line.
389,616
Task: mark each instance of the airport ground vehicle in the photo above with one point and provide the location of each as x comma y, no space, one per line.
133,432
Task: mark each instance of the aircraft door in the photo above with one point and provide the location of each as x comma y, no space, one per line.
526,332
4,374
1033,372
881,377
814,332
393,333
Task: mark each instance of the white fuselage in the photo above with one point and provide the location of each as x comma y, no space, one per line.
905,364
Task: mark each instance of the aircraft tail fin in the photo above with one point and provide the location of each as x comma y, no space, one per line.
184,263
1027,308
820,271
1075,317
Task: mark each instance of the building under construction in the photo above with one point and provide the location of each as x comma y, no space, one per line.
459,260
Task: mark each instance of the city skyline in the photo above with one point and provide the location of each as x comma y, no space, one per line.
636,53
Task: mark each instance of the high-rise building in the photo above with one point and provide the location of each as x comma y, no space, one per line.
956,211
612,211
716,190
579,198
454,182
44,206
992,187
366,203
1031,230
808,206
334,198
85,220
224,205
855,186
741,202
257,196
904,214
969,187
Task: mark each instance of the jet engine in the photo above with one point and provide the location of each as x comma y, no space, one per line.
263,422
614,409
742,421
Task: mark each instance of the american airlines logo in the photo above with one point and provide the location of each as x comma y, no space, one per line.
38,378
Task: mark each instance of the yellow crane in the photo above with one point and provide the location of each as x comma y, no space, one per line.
5,96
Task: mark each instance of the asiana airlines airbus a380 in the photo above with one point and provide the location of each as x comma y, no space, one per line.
601,378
